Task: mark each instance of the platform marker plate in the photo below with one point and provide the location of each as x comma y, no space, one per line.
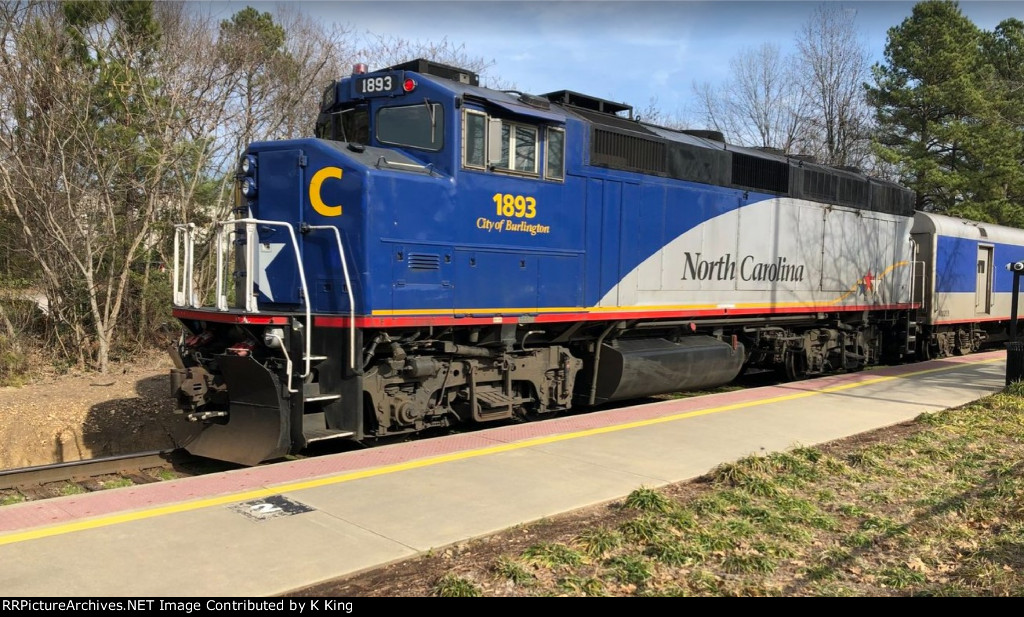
267,508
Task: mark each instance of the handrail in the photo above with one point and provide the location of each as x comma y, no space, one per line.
913,275
429,169
348,288
183,292
251,305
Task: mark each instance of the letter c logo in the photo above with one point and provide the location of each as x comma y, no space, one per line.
314,191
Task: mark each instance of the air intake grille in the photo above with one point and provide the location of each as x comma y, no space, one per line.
819,185
627,152
853,192
424,261
760,174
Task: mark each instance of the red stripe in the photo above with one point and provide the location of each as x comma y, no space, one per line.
222,317
475,320
974,320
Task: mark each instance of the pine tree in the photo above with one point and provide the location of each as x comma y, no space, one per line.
927,97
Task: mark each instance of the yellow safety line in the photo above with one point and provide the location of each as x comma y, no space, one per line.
125,517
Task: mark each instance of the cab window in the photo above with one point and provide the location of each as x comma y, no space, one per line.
416,126
525,149
554,156
474,140
521,141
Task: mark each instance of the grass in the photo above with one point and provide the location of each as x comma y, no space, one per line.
70,489
514,571
553,555
452,586
10,500
935,510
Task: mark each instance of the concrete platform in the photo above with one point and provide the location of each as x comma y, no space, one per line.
268,530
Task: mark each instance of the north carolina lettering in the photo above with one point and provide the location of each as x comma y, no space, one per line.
726,268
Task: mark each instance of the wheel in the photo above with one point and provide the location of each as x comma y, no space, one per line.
924,349
795,366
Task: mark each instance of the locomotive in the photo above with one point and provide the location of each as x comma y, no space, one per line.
444,253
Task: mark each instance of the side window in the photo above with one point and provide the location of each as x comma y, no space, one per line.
520,146
521,141
554,156
474,140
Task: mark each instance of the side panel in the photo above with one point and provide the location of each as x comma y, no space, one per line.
507,279
958,297
609,252
276,273
775,255
422,275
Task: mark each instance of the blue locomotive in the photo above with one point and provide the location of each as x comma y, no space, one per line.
444,253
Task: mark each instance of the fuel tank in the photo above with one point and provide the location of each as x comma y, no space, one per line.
634,368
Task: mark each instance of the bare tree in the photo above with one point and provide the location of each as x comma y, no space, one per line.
380,51
761,104
833,66
100,113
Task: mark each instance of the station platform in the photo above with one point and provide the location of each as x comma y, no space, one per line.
268,530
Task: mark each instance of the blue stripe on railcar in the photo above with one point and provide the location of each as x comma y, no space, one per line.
1003,254
956,263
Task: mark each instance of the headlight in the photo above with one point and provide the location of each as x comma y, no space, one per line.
248,165
249,188
273,337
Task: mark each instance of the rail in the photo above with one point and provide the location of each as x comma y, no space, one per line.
184,279
917,275
184,267
251,305
107,465
348,288
383,162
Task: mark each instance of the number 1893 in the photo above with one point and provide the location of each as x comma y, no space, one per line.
507,204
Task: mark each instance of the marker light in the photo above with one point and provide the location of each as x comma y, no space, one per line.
359,69
409,84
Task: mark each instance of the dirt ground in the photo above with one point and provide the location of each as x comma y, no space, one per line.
85,415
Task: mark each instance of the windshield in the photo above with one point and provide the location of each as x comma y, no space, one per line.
416,126
355,125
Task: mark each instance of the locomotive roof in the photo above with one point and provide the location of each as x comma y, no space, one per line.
931,223
700,156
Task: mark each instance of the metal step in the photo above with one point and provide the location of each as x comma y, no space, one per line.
495,399
325,433
200,416
314,428
911,337
322,397
311,394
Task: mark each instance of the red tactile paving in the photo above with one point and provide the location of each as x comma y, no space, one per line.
65,509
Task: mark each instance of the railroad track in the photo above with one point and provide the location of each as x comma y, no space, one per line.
69,478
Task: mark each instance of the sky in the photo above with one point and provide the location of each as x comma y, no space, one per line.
631,52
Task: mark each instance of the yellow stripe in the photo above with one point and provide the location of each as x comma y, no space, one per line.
126,517
635,308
